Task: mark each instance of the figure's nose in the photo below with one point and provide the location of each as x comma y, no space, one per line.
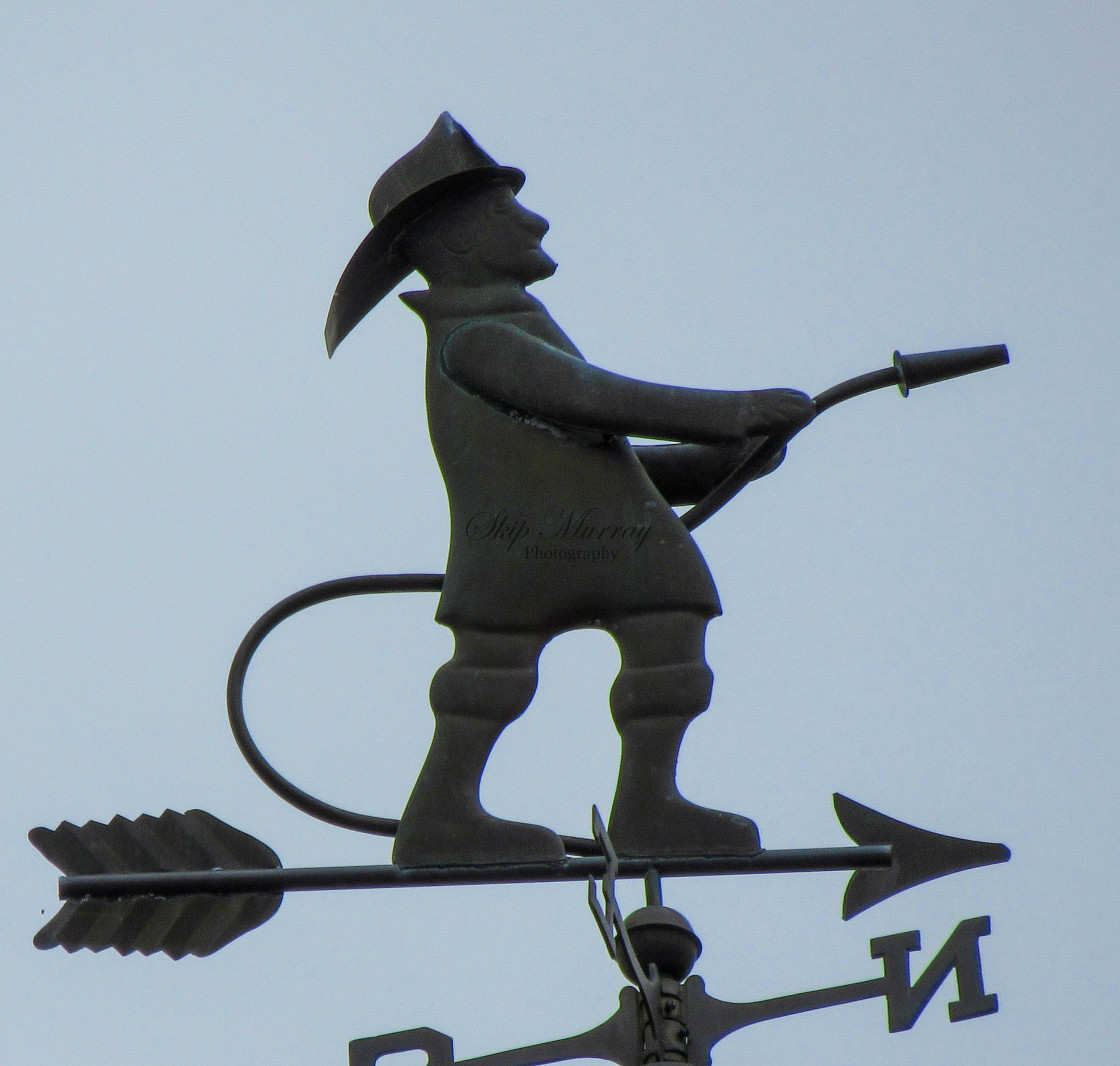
534,223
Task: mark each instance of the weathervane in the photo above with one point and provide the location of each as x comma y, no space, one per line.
558,523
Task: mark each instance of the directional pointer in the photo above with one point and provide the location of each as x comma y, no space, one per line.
188,884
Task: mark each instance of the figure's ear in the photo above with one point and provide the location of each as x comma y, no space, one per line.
456,231
439,243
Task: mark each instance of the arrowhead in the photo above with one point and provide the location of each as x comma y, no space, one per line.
919,855
177,925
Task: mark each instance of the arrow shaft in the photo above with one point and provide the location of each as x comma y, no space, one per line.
312,879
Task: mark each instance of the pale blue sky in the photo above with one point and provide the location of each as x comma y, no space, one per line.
920,608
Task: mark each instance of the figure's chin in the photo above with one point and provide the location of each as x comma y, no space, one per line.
545,267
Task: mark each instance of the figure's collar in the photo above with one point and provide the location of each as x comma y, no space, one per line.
453,300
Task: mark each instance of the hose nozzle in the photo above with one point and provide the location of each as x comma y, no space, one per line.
924,368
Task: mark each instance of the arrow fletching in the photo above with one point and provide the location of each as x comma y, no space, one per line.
176,925
918,855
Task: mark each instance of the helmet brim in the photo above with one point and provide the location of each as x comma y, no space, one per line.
376,268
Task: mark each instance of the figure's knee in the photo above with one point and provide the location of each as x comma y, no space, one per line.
488,678
663,669
677,690
497,693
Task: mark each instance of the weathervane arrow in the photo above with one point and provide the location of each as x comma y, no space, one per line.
188,884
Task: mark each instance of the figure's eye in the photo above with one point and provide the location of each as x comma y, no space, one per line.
502,204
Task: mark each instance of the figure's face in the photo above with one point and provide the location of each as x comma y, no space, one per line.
506,239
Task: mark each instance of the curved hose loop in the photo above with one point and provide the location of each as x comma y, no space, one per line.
298,601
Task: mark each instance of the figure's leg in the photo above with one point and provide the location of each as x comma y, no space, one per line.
663,685
486,685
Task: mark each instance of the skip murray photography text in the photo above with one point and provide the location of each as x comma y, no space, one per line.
559,534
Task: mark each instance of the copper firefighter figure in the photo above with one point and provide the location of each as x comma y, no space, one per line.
557,521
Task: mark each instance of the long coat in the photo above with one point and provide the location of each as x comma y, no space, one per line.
553,527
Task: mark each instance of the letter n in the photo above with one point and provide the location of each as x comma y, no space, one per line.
961,952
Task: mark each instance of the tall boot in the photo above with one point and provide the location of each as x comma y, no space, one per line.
650,817
652,704
444,823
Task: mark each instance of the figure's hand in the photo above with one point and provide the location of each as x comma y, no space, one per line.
731,456
774,411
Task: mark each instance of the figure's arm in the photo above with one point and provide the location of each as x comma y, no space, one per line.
686,473
513,368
